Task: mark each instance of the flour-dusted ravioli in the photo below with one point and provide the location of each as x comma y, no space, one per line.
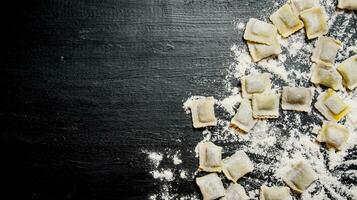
274,193
255,84
210,157
266,105
299,176
235,192
286,21
326,76
260,32
325,51
333,134
348,70
243,119
211,186
331,106
347,4
203,113
315,21
260,51
301,5
298,99
237,166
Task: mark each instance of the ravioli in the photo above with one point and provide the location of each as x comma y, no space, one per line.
211,186
243,119
235,192
286,21
255,84
300,5
297,98
325,51
237,166
326,76
333,134
347,4
203,113
260,32
266,105
331,106
260,51
299,176
274,193
315,22
348,70
210,157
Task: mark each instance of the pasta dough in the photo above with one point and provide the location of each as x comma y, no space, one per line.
301,5
298,99
260,51
255,84
210,157
260,32
315,22
347,4
274,193
299,176
243,119
203,113
235,192
325,51
237,166
326,76
348,70
211,186
266,105
333,135
286,21
331,106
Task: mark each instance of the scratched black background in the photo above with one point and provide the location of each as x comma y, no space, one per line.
86,85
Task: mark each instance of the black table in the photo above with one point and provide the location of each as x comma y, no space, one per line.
86,85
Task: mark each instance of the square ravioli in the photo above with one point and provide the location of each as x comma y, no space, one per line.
210,157
325,51
260,32
274,193
331,106
333,134
203,113
300,5
298,99
266,105
255,84
243,119
286,21
348,70
260,51
347,4
235,192
326,76
237,166
299,176
211,186
315,22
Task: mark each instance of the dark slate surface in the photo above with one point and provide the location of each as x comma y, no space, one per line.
85,85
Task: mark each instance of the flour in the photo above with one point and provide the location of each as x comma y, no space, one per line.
276,66
274,144
229,103
176,159
165,174
155,158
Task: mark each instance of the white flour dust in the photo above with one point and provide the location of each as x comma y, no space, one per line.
274,144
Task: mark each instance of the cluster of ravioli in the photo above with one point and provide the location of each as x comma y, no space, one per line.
261,102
